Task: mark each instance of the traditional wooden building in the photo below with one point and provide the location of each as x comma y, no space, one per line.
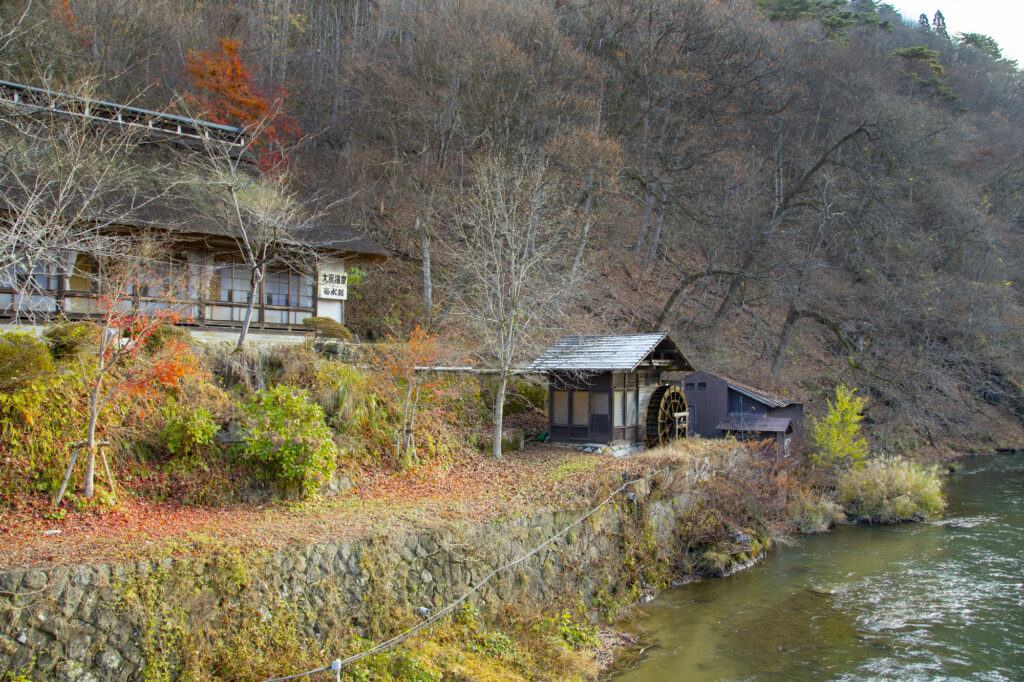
720,406
201,272
609,390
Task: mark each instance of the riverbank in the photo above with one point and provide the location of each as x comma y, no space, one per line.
287,587
250,605
911,601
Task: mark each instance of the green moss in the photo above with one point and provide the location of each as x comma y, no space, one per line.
23,360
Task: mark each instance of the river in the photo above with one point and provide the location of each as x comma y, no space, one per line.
939,600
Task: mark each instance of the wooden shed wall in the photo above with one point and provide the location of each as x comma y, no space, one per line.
743,404
708,407
599,387
795,413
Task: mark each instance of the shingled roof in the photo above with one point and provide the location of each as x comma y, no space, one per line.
622,352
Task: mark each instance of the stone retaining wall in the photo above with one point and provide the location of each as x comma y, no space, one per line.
83,623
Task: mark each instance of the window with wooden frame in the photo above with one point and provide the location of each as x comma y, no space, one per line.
581,408
631,408
29,291
44,277
83,275
287,288
231,282
560,408
229,287
165,279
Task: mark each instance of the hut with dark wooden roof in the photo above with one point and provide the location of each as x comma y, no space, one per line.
609,390
721,406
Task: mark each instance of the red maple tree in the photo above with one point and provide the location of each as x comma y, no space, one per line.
228,94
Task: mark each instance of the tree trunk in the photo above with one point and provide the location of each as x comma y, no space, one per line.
586,225
89,488
402,444
644,221
732,292
428,299
582,247
652,248
499,414
254,282
792,318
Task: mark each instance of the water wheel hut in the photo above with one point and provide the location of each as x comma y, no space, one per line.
610,391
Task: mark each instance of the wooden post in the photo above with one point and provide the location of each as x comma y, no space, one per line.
67,477
110,477
71,466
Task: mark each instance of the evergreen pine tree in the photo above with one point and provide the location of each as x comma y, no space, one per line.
923,24
939,25
789,10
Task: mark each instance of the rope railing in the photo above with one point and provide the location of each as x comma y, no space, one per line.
337,665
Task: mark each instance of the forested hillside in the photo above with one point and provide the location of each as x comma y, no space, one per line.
799,191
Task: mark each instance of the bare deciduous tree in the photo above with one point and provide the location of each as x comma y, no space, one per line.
66,184
265,218
513,253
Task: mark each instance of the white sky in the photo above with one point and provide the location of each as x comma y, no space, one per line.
1000,19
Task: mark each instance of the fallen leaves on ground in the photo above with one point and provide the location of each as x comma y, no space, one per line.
479,488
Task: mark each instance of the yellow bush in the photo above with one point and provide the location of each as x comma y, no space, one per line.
836,436
890,490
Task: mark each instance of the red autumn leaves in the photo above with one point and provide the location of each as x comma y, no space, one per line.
227,92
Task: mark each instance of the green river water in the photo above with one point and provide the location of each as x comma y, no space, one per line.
941,600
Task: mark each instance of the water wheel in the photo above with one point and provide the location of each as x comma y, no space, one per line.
667,416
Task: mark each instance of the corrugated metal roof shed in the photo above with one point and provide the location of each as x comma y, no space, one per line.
750,422
621,352
768,399
758,394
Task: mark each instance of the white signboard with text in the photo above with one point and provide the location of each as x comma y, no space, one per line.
332,284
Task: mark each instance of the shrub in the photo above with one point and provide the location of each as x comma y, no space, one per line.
326,328
188,430
296,365
23,359
167,334
288,437
814,514
70,340
836,437
38,424
240,371
890,490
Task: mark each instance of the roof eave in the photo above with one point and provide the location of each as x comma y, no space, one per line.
684,366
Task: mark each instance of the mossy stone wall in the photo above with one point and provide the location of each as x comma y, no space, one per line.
132,621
